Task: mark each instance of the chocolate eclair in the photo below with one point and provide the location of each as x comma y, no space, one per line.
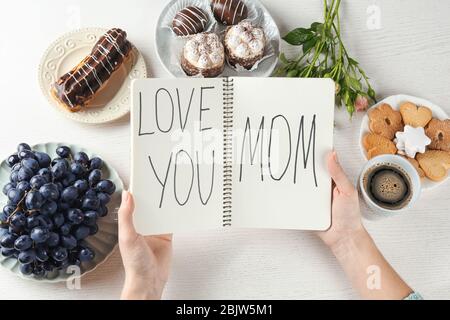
75,89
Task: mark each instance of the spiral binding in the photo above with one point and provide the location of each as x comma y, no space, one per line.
227,150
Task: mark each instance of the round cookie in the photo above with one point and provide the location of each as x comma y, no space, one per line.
190,20
439,133
204,55
385,121
244,44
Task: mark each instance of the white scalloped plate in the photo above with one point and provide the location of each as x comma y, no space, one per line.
394,102
103,242
169,46
66,52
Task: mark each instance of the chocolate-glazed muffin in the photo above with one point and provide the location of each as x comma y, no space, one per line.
190,20
244,44
204,55
229,12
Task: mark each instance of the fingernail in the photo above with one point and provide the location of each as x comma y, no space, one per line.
125,196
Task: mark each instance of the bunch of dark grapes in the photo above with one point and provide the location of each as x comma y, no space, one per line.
53,206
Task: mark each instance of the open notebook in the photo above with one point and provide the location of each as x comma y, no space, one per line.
231,152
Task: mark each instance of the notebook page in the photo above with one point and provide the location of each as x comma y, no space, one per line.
279,180
176,171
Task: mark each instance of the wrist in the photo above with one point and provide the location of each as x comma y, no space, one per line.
137,288
350,242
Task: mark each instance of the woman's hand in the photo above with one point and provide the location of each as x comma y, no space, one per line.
359,257
346,217
146,259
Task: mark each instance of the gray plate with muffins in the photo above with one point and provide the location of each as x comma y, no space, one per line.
212,38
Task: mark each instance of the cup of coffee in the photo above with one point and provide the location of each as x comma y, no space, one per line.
389,184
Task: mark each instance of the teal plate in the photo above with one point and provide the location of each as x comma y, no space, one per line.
103,242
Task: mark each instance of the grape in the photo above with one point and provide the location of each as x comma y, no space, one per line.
106,186
3,221
58,220
102,211
34,200
23,146
23,186
63,151
26,269
30,163
23,243
77,169
81,157
86,254
8,252
53,239
103,198
95,163
32,222
76,216
48,266
39,234
14,196
90,218
65,229
69,179
62,206
68,241
91,193
18,221
27,256
43,159
41,254
93,229
63,200
14,177
12,160
60,265
7,241
90,203
59,169
81,232
25,154
39,271
95,176
69,194
24,173
49,191
8,210
81,185
38,181
45,172
7,187
59,254
49,208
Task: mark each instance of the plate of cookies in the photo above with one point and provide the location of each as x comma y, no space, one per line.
212,38
413,128
86,74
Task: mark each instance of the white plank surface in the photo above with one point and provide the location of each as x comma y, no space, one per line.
410,54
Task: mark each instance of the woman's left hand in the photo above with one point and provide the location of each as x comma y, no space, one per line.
146,259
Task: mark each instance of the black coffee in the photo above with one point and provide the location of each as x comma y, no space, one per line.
388,186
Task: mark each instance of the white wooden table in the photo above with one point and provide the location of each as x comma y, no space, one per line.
408,52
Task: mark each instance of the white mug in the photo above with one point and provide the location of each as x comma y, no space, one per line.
404,165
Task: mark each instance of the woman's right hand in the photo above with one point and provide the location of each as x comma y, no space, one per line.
345,216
